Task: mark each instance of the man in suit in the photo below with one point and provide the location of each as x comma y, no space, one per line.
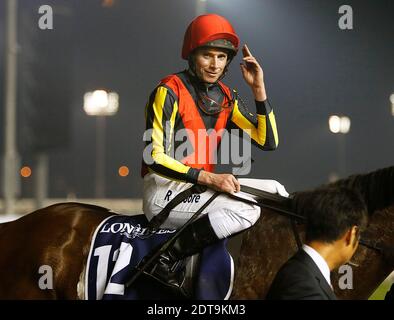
335,219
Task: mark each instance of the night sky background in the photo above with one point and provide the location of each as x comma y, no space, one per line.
312,68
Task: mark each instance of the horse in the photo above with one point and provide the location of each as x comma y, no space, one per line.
60,236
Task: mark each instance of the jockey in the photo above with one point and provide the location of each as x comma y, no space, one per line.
196,101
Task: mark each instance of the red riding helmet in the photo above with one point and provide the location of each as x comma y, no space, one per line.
209,30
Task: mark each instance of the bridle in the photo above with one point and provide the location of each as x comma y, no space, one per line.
371,245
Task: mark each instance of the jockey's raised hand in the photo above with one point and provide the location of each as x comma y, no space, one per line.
221,182
253,74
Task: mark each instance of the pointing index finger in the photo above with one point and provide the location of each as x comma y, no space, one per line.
246,52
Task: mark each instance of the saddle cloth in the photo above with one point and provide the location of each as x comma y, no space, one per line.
119,244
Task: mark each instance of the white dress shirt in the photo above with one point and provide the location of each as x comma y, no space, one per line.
320,262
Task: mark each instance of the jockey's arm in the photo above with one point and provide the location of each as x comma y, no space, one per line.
160,116
261,127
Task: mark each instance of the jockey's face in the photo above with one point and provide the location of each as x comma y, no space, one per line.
210,63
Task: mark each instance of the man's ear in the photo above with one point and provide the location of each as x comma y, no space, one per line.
354,235
348,236
351,235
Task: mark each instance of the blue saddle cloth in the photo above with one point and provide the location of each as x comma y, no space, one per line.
120,243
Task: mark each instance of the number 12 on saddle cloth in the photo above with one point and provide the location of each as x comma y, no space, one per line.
121,242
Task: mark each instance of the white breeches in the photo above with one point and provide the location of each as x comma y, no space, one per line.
227,216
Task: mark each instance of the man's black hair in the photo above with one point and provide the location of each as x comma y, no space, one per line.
331,212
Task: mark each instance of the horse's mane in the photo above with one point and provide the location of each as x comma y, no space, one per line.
376,188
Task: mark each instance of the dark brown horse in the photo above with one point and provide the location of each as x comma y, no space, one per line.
60,236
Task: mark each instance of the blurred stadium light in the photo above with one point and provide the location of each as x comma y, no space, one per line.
100,104
341,125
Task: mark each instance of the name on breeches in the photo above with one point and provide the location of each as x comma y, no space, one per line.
190,199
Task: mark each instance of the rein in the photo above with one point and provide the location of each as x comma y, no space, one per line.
370,245
294,218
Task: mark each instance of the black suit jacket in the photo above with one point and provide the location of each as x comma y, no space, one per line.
300,279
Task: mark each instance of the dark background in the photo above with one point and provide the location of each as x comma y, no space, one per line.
312,70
